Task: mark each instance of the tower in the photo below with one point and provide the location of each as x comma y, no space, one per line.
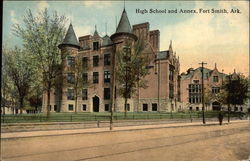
123,30
69,50
120,38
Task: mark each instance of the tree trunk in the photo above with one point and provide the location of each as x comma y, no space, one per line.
228,115
48,103
21,105
3,109
76,95
138,97
37,100
126,100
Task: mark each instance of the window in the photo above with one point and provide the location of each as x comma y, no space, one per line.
106,76
106,93
85,62
145,107
171,91
95,77
127,56
190,108
154,106
85,77
84,107
194,93
216,79
106,108
95,45
171,72
71,78
55,107
71,60
215,90
128,107
197,108
107,59
70,107
235,108
70,94
95,61
84,94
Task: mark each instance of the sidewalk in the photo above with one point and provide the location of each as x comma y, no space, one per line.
15,135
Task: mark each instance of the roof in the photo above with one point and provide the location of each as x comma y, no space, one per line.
207,73
124,25
234,76
106,41
70,38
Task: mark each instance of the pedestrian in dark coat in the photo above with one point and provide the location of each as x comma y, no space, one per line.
220,117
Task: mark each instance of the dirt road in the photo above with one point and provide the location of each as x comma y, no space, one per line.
199,143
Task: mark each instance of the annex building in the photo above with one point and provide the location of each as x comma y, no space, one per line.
191,89
97,54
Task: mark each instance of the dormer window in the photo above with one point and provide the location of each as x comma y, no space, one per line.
95,45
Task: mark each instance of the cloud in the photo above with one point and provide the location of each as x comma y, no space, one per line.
97,4
214,38
42,5
13,17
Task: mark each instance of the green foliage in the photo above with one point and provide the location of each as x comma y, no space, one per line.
8,90
236,90
41,35
19,72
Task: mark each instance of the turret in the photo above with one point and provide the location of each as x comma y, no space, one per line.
70,39
69,50
123,31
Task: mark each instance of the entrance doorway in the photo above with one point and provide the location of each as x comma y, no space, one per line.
96,101
216,106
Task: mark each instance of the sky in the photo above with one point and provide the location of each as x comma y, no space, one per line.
221,38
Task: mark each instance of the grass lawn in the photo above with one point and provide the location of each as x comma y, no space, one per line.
105,116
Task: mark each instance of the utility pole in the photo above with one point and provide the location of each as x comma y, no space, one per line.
113,81
202,90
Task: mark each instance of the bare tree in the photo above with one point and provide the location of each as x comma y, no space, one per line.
78,80
131,68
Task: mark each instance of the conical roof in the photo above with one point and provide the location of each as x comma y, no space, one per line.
70,38
124,25
106,41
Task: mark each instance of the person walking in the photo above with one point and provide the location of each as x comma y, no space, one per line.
220,117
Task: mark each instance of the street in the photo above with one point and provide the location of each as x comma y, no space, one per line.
191,143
